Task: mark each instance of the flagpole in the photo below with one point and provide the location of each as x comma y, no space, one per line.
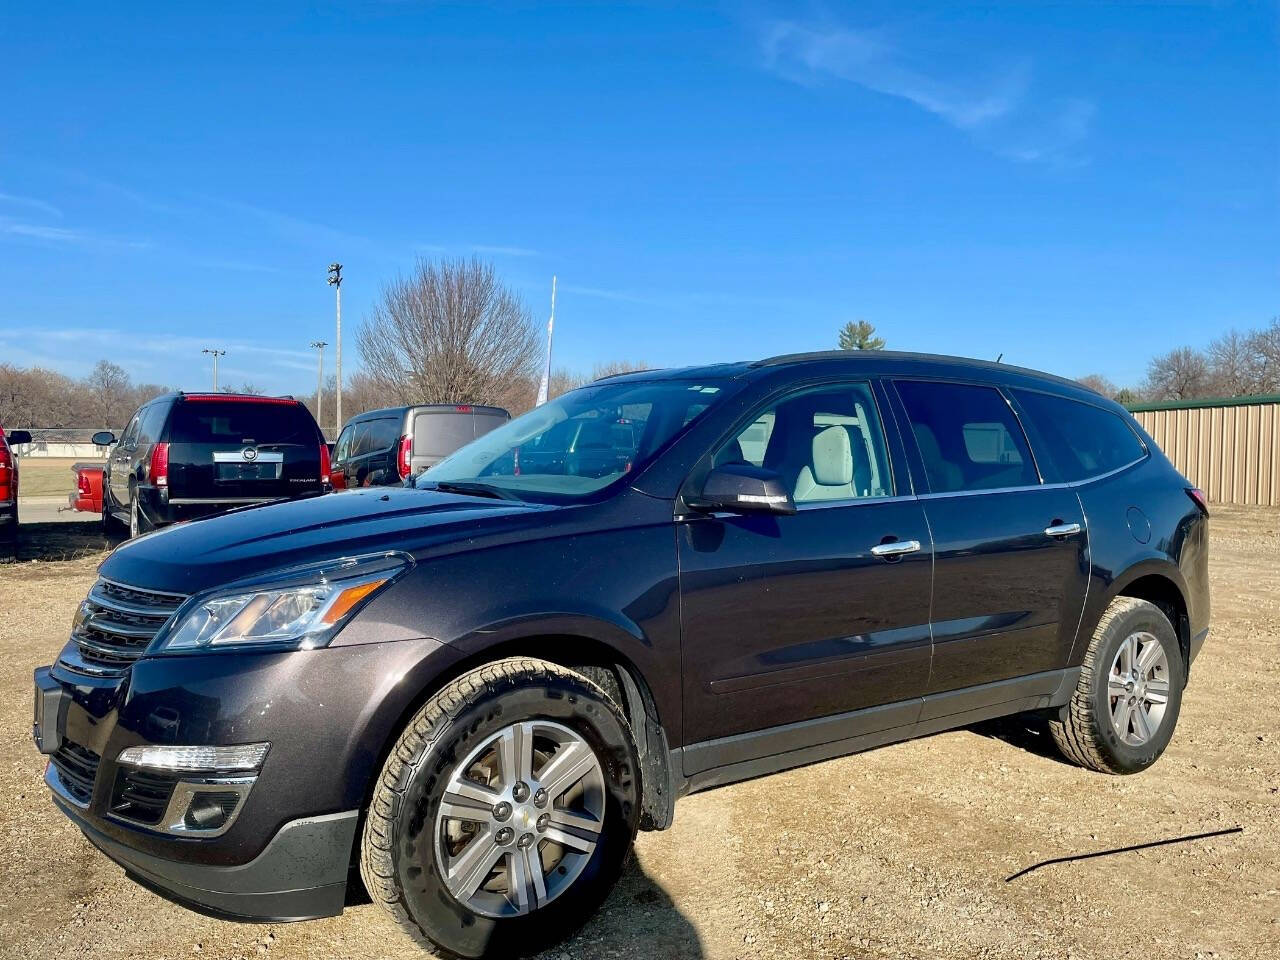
545,386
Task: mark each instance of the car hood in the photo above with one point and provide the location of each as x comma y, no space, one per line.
189,557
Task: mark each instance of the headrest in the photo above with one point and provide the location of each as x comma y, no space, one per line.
832,457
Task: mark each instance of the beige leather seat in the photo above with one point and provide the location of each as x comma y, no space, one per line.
829,475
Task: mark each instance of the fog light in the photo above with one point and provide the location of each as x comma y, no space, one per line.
245,756
209,811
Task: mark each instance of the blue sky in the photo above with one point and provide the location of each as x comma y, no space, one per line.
1074,185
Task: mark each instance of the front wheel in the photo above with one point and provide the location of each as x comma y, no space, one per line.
504,812
1127,700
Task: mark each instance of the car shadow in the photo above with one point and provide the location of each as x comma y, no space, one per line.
55,542
1026,731
638,920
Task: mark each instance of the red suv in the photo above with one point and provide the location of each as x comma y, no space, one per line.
9,490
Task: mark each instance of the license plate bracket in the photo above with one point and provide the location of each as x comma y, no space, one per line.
51,701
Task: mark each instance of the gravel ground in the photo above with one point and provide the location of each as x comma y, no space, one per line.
899,852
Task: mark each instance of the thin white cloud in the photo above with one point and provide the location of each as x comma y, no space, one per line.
30,203
998,110
45,233
288,227
500,251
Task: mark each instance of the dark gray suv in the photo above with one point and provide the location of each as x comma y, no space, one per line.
475,691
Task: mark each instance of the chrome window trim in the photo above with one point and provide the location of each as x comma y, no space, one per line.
213,501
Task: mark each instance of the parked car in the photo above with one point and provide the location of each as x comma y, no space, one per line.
478,689
386,447
189,455
9,490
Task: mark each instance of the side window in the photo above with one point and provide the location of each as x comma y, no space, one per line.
342,449
968,437
1080,439
379,435
129,439
151,422
827,444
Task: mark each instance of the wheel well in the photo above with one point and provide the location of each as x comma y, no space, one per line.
605,667
1164,593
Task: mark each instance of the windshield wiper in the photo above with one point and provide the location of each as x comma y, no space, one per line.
474,489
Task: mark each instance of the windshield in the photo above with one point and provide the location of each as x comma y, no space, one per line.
577,444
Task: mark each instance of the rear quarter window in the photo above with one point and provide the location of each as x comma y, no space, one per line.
440,434
1080,440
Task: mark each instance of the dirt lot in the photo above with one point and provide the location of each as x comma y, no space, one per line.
900,852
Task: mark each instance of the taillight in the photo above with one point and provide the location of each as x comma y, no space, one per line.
159,469
325,466
6,476
1196,494
406,450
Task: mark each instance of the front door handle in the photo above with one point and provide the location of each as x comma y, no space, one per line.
895,548
1062,530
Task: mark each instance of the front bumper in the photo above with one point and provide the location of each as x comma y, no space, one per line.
300,875
328,715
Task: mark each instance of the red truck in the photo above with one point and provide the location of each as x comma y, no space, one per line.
9,489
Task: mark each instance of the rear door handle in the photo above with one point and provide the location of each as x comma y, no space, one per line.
1062,530
895,548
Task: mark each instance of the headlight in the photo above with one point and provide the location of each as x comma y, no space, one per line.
301,608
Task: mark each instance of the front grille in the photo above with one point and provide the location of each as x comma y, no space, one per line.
116,623
142,795
77,767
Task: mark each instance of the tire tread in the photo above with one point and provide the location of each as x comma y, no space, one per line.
413,748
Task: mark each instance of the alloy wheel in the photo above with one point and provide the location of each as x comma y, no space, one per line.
1138,688
520,818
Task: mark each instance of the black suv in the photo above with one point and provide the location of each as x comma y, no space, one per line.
477,690
187,455
386,447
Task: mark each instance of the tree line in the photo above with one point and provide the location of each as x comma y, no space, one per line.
450,331
1235,364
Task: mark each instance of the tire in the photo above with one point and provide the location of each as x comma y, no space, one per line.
110,525
409,861
1089,730
9,538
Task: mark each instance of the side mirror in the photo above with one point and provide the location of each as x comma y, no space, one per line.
742,488
16,437
103,438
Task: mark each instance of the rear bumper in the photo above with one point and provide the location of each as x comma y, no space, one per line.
300,875
161,509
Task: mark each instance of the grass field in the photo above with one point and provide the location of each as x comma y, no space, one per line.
45,477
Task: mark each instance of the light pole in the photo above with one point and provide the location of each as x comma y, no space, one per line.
319,346
335,281
216,354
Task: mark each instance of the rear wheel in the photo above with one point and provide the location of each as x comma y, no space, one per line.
504,812
9,538
138,522
1126,703
110,525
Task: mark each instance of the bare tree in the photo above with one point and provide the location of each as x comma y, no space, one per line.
612,368
1098,384
860,335
1233,364
1265,344
111,394
1181,374
562,381
450,332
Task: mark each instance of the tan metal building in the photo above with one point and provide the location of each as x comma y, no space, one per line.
1230,449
